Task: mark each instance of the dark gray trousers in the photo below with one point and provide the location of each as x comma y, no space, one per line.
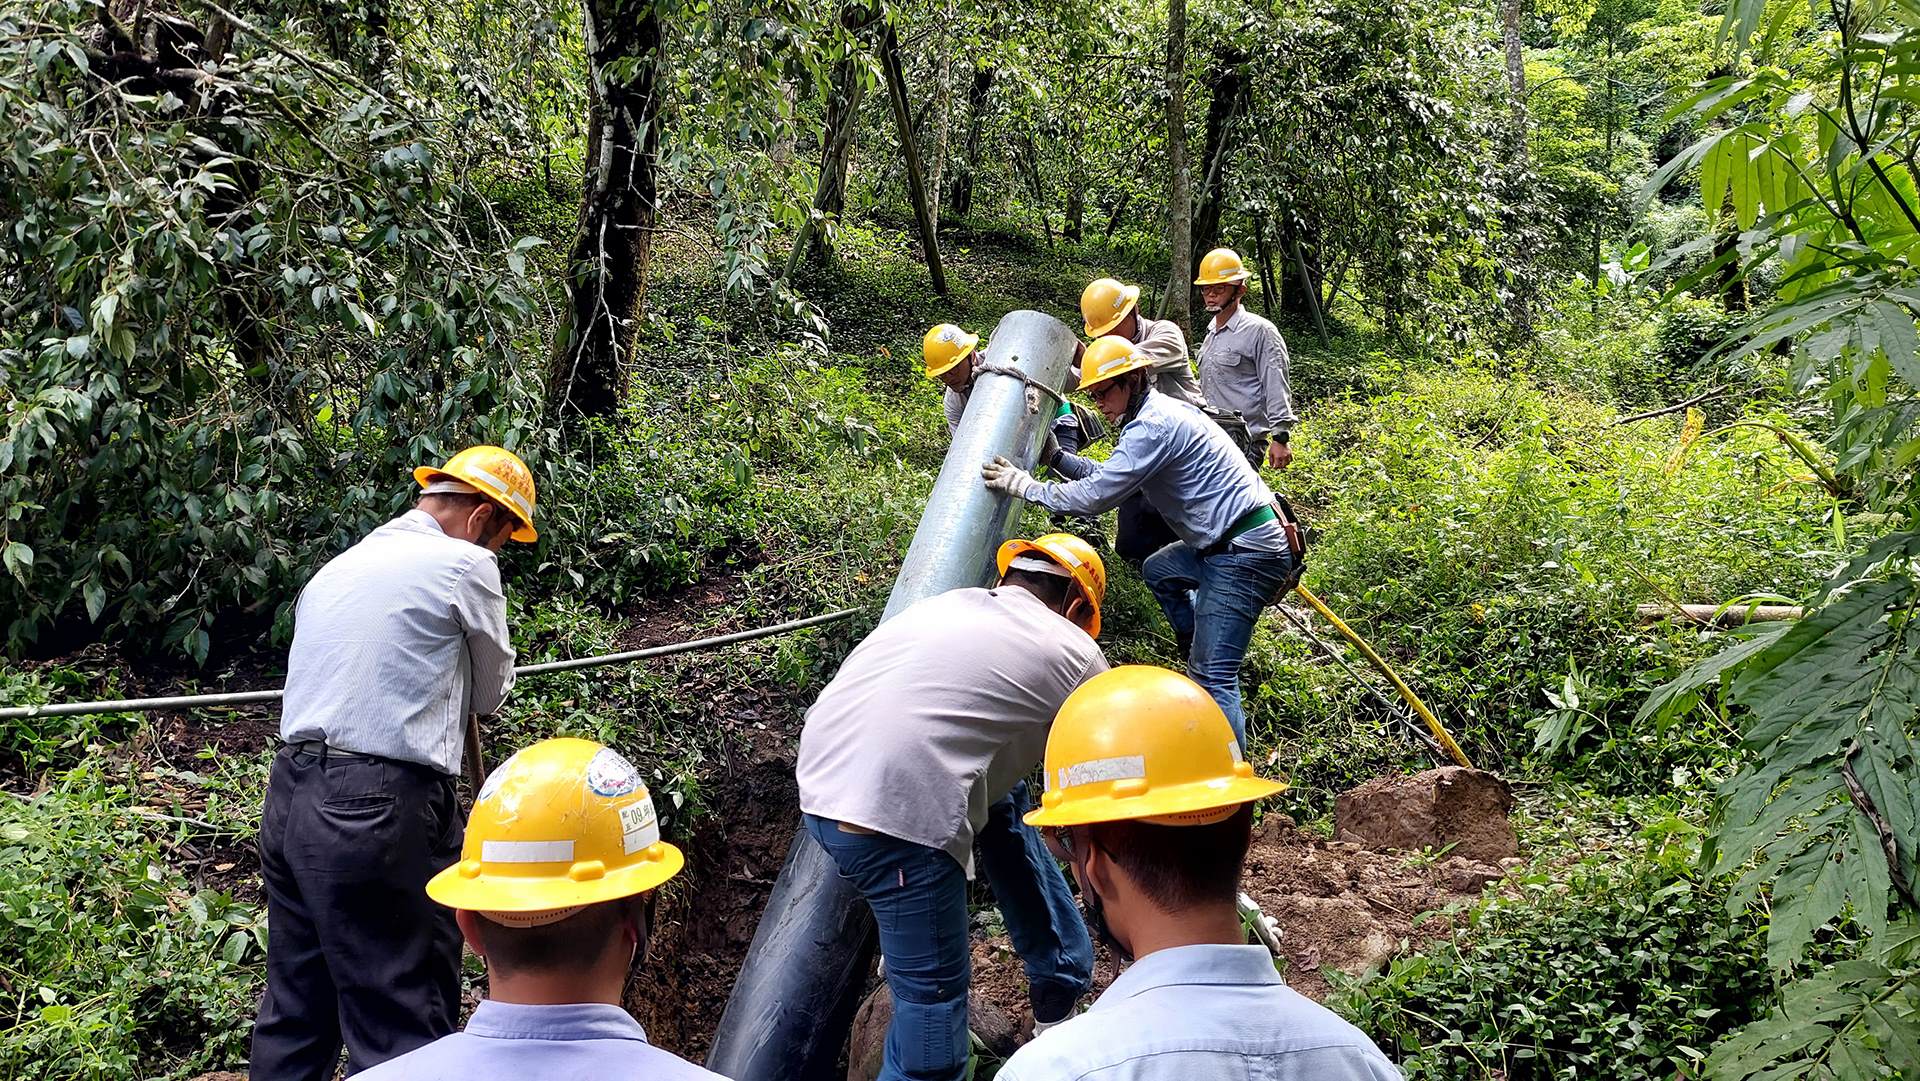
356,952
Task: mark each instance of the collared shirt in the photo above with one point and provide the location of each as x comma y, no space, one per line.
1162,340
509,1042
1202,1013
395,641
1188,468
938,712
955,402
1243,368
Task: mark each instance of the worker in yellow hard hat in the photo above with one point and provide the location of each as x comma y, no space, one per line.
914,758
953,357
1236,548
395,641
552,891
1109,306
1243,362
1149,799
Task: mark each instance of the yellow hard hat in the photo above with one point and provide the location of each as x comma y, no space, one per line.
1139,742
563,823
1076,556
1222,265
498,474
1105,302
1109,357
944,346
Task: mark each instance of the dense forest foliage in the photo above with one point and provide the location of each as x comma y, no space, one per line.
1593,305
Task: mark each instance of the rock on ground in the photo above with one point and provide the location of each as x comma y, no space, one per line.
867,1046
1464,808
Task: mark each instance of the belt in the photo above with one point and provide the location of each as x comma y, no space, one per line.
1243,525
323,749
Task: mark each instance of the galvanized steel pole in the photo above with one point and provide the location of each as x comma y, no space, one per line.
794,1000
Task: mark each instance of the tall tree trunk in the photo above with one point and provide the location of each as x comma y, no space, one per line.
836,153
910,152
1119,211
1231,93
960,198
916,181
943,113
1179,183
613,244
1269,286
1520,304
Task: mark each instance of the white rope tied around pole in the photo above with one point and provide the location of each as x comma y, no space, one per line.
1030,381
240,698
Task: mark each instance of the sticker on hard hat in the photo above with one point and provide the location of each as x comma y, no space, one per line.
608,774
950,334
639,827
495,779
1123,768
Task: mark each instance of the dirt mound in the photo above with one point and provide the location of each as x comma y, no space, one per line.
1344,907
1451,806
1340,906
998,1032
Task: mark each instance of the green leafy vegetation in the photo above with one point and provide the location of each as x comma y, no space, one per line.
1623,965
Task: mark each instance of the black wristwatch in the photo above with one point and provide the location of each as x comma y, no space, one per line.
1283,437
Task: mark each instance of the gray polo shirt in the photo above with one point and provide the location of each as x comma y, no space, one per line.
938,713
1243,369
395,641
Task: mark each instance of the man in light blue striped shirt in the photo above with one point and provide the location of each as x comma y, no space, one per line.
395,641
1150,801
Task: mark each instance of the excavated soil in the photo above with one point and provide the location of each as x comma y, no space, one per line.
1340,907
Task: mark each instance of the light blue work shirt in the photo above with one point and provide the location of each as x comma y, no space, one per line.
1202,1013
395,641
508,1042
1187,466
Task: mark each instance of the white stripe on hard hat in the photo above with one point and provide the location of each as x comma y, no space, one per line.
1037,565
449,486
526,851
1123,768
501,486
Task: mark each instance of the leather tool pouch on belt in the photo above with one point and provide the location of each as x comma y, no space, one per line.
1298,538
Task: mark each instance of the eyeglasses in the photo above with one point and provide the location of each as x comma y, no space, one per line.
1059,842
1099,391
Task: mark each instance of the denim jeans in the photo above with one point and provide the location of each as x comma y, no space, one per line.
919,899
1216,599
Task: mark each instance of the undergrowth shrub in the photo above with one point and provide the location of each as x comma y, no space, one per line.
117,966
1495,538
1618,967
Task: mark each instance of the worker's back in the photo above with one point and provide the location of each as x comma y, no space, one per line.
1202,1013
390,639
938,713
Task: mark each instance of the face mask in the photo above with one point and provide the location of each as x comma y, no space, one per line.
1095,914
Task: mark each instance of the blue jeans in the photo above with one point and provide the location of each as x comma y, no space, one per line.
1216,599
919,899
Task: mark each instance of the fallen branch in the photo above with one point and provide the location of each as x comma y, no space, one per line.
1711,614
1666,409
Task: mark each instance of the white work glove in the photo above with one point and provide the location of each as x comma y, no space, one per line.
1002,475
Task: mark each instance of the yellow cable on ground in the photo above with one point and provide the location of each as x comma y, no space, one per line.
1433,723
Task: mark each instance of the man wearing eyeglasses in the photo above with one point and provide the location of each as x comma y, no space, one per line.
1235,552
